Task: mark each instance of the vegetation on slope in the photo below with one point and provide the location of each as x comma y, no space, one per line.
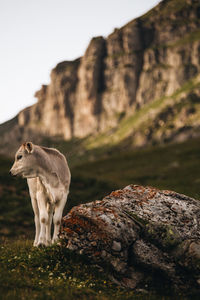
172,167
143,120
51,272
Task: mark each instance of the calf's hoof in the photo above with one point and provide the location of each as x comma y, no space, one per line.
41,245
48,243
35,244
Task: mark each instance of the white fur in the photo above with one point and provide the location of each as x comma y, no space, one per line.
48,179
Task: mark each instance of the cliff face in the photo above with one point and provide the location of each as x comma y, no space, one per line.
147,59
53,114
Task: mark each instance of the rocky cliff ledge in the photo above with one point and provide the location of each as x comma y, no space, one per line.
151,59
142,235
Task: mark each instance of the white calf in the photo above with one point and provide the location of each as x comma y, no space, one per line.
48,179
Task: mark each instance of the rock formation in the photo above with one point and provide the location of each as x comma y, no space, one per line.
139,234
154,58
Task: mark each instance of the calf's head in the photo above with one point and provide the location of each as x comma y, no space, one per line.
25,162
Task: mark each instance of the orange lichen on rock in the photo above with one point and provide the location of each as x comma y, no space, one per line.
117,193
137,226
76,222
68,230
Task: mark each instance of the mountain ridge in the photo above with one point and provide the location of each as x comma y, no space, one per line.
150,58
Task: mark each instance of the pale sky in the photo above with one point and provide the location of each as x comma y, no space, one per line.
35,35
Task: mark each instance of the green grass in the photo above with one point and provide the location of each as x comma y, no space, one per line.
187,39
54,273
167,167
49,273
16,216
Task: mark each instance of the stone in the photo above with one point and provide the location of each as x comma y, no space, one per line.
160,235
116,246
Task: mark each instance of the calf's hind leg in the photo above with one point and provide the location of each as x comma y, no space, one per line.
50,208
58,216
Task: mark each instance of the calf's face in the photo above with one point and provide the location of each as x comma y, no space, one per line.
25,162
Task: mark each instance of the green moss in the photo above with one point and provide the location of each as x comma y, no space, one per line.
187,39
164,235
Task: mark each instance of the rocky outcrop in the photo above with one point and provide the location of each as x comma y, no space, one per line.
148,59
53,114
141,235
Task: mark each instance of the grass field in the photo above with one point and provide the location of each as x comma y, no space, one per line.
52,273
174,167
56,273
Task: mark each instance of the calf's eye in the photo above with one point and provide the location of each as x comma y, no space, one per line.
19,157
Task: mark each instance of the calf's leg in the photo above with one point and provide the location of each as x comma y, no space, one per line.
32,184
58,216
36,219
50,209
44,218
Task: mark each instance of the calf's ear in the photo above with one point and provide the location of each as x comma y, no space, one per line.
29,147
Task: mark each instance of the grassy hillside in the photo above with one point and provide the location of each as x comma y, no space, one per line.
55,273
52,273
172,167
16,217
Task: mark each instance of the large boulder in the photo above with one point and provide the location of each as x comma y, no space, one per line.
141,235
